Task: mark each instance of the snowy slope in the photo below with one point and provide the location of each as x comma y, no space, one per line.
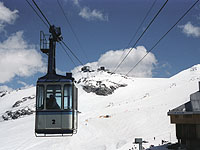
107,122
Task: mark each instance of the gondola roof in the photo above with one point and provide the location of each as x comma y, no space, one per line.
56,78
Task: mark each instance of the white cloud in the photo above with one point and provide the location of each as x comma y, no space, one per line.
18,58
190,30
58,71
111,58
5,88
198,17
76,2
94,14
6,16
88,13
22,83
25,85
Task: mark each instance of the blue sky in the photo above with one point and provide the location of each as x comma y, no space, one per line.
104,28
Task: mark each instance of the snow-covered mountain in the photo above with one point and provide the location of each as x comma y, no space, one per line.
133,107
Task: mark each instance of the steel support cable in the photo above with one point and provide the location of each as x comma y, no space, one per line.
41,13
67,54
37,14
72,52
70,25
163,36
69,57
141,35
50,25
62,40
139,27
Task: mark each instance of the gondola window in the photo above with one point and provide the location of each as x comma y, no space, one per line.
54,97
40,97
67,97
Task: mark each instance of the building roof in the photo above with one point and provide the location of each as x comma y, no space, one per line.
191,107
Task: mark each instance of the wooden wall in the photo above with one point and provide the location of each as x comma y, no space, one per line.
185,118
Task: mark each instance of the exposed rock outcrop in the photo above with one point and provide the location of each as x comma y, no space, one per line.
16,114
103,88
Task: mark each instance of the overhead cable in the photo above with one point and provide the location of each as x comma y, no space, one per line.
50,25
72,52
164,36
67,54
41,13
141,35
139,27
70,25
37,13
70,58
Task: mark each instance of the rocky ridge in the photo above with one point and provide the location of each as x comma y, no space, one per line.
18,111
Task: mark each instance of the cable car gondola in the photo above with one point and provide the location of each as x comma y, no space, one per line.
56,95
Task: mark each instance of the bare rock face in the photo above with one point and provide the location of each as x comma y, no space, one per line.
19,111
3,93
18,103
16,114
100,81
103,88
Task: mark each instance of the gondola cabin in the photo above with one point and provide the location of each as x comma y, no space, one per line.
56,105
56,95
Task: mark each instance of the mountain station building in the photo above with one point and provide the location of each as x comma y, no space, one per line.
187,120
